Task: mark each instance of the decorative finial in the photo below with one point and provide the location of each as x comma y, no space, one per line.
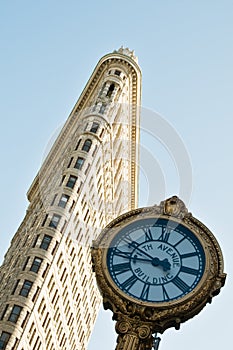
126,51
174,207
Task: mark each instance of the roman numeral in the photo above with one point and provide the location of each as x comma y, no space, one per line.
189,270
165,295
130,242
181,240
118,252
148,234
165,234
129,282
121,268
188,255
180,284
145,292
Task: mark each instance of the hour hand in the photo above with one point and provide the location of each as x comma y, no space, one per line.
163,263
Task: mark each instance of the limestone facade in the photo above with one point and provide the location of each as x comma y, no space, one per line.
48,295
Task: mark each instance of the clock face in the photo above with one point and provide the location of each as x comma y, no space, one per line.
156,260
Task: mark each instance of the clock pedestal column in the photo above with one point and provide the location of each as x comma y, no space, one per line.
133,335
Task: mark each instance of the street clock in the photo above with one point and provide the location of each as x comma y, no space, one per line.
156,267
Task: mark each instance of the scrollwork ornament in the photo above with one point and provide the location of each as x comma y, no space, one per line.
122,327
144,332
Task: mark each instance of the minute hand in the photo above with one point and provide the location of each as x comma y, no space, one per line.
134,245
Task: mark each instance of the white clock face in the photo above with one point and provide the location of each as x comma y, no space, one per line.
156,260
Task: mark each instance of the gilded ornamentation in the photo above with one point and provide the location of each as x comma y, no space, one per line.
175,207
144,331
140,319
133,334
123,327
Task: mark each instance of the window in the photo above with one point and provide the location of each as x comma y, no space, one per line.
34,221
54,198
5,336
15,344
46,242
44,221
69,164
79,163
101,134
25,319
46,270
36,264
95,149
117,72
87,169
54,248
26,287
55,221
15,287
78,144
35,241
15,313
64,226
71,182
95,127
72,206
26,262
87,145
63,178
4,312
36,293
81,184
110,90
87,212
63,200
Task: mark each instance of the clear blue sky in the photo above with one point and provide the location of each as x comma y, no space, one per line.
185,50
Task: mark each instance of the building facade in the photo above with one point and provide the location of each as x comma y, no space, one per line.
48,295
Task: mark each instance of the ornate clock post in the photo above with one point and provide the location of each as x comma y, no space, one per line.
156,267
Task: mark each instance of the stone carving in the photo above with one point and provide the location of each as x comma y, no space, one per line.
126,51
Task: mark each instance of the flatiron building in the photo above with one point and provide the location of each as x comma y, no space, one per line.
48,295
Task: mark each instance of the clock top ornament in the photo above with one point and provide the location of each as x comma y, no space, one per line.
156,267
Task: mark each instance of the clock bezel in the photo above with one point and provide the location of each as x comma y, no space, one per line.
161,304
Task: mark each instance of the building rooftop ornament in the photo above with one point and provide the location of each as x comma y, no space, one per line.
126,51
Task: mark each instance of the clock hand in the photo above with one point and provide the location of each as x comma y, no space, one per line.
135,258
165,264
155,261
134,245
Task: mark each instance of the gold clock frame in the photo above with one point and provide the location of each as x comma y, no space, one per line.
148,317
